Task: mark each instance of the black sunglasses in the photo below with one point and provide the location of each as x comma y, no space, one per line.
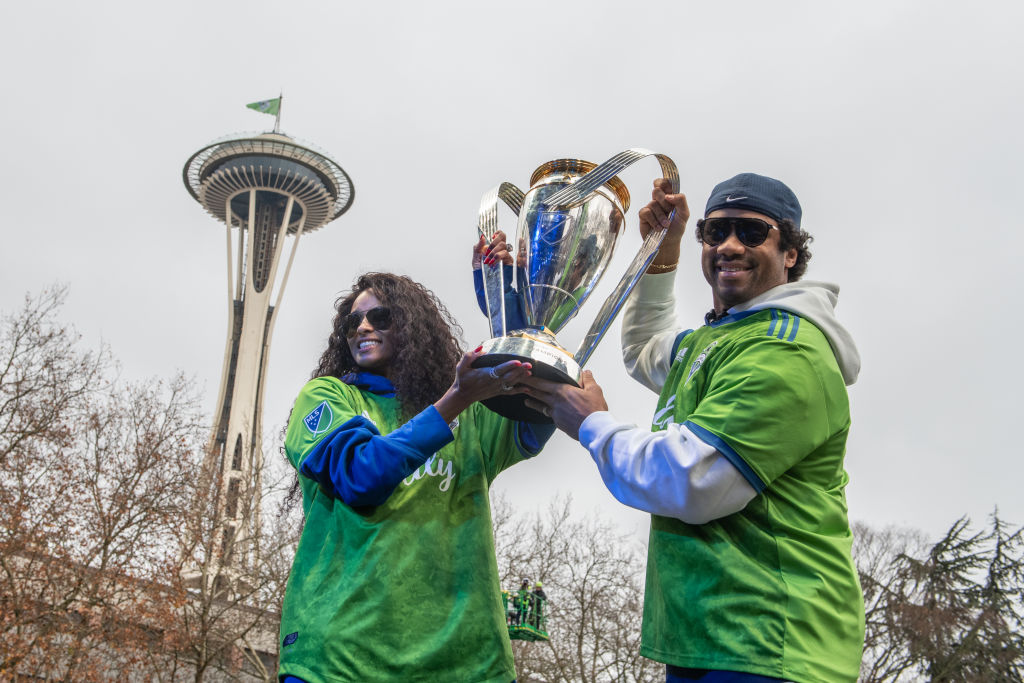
379,317
752,232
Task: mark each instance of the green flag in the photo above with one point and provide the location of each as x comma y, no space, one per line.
272,107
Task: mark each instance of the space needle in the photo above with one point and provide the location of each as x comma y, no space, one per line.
262,188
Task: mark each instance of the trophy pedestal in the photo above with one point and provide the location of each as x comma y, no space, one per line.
537,347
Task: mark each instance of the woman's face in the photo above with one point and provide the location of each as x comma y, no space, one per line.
371,348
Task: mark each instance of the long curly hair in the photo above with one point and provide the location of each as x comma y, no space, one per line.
425,339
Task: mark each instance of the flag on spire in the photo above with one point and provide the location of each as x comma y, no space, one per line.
272,107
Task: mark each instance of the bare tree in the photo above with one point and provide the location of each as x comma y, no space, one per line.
90,475
105,498
593,576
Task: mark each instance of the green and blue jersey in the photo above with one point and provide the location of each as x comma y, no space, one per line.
400,582
771,589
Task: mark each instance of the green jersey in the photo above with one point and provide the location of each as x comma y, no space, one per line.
771,589
406,590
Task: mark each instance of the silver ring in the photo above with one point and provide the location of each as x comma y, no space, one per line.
505,386
493,373
546,411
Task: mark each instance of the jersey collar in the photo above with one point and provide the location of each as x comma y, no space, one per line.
367,381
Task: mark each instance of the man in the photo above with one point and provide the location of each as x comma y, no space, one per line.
540,598
749,575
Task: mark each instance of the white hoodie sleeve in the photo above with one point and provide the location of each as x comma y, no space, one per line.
649,329
670,473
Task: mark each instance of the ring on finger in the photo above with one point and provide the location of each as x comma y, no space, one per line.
493,373
546,410
505,386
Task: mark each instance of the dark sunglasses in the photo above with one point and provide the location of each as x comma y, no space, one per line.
752,232
379,317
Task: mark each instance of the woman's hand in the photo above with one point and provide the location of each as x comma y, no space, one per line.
476,384
489,253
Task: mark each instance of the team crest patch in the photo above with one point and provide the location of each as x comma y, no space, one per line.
319,419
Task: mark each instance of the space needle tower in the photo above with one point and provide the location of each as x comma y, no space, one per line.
263,188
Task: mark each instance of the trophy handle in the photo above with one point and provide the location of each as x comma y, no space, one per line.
494,278
575,193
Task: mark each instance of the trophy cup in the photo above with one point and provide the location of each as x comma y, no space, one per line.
568,223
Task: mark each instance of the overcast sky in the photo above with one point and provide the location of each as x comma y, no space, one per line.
897,124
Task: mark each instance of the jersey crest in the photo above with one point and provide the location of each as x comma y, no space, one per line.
700,360
319,419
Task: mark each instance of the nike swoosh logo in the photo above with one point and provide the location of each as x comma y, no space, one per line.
730,198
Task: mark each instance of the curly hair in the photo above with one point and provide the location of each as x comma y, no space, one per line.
425,340
791,236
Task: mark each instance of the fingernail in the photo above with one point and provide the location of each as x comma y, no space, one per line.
487,250
478,349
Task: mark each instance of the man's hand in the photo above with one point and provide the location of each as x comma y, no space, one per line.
658,215
567,405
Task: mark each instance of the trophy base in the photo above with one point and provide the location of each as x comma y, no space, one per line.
549,360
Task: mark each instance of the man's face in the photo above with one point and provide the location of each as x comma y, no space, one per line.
738,273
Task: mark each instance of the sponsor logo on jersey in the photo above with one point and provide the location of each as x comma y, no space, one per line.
666,415
700,360
681,354
434,467
319,419
367,416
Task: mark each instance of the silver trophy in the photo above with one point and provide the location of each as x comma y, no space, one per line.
568,223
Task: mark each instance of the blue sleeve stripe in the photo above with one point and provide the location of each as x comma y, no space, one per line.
785,317
796,326
732,456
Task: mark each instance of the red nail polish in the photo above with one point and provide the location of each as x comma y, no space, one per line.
478,349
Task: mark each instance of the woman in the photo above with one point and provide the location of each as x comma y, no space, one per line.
394,577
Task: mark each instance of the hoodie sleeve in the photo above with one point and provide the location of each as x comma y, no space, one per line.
650,331
672,473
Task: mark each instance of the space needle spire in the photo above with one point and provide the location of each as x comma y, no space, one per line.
264,189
